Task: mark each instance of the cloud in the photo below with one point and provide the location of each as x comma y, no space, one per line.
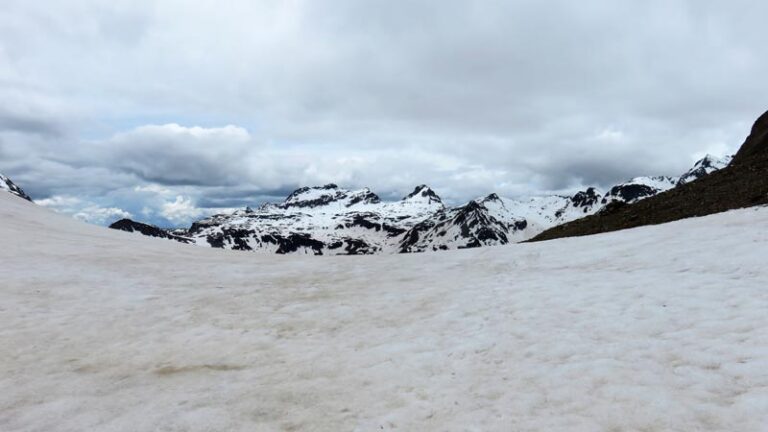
101,215
28,123
59,202
174,154
146,100
84,210
182,210
153,188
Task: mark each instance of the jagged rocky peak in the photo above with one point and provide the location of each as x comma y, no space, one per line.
703,167
316,196
423,193
7,185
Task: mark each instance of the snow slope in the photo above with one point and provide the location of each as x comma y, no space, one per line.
650,329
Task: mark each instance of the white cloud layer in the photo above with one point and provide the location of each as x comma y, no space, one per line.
181,210
84,210
227,104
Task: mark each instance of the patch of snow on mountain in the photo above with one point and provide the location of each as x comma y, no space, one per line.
703,167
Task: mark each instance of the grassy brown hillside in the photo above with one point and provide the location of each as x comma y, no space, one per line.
744,183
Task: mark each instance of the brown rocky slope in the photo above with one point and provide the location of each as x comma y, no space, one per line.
744,183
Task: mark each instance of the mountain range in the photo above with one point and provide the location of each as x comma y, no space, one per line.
329,220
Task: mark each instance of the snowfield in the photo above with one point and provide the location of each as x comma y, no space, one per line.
660,328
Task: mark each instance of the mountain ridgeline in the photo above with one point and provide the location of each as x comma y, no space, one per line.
329,220
743,183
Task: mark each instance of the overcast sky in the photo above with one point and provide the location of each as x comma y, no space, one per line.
167,110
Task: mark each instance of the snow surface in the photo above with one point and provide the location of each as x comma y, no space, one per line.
659,328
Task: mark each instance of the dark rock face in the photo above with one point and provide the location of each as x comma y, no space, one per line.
215,240
743,183
200,225
293,242
238,237
147,230
756,144
365,220
477,225
366,197
630,193
586,198
11,187
317,202
370,221
353,247
411,238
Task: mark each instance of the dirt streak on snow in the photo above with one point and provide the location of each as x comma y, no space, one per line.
656,329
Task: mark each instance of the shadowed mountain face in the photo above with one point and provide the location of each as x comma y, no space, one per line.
743,183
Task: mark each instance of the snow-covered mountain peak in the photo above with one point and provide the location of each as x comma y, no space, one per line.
423,194
658,182
489,198
318,196
707,165
638,188
7,185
